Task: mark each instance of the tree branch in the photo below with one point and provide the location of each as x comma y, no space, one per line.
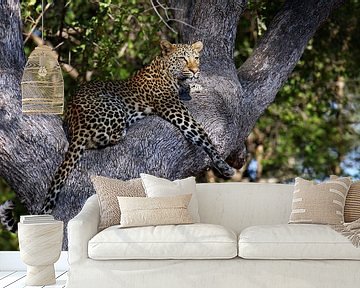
214,22
273,60
28,144
32,147
159,15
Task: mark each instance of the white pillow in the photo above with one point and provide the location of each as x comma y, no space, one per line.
159,187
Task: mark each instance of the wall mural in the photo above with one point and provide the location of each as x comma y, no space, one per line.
211,90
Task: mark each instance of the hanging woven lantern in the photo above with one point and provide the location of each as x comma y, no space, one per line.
42,84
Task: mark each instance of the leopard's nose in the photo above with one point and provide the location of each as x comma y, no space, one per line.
194,70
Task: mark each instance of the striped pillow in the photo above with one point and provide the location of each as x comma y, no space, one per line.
319,203
352,202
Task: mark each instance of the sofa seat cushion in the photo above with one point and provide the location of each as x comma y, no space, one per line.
295,241
192,241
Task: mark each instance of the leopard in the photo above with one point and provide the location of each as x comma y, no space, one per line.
100,112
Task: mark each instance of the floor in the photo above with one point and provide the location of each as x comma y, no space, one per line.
13,271
16,279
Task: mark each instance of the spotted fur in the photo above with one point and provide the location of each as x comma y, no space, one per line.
6,216
101,112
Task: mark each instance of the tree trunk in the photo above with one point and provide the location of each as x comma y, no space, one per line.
259,79
32,147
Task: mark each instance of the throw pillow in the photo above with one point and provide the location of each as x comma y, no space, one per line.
352,202
107,189
159,187
139,211
321,203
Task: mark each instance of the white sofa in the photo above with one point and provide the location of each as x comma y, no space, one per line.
250,220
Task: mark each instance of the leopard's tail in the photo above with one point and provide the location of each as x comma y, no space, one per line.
7,217
72,157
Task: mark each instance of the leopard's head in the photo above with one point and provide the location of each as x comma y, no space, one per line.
182,60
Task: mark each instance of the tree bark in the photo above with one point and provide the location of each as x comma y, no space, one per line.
265,71
32,147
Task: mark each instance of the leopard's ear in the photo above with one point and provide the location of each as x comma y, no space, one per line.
197,46
166,47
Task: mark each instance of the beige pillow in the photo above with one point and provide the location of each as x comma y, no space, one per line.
160,187
352,202
319,203
107,189
138,211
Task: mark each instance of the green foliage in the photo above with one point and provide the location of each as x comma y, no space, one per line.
100,39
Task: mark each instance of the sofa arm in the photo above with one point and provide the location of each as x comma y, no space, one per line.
82,228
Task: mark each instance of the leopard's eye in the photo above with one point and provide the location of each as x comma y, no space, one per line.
196,57
182,58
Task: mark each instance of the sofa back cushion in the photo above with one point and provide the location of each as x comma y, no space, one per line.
239,205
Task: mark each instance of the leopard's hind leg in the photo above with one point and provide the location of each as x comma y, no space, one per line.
103,134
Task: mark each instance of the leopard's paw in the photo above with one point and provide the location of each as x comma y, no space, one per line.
195,88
